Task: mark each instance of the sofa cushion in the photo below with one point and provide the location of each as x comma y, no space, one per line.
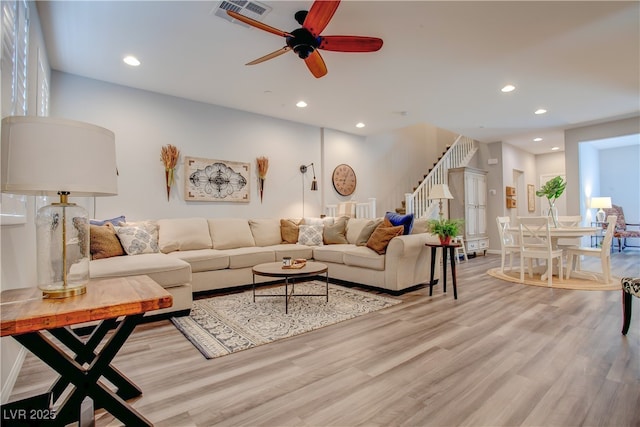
289,230
139,237
293,250
327,220
354,227
405,220
104,242
183,234
310,235
165,270
361,256
230,233
367,231
331,253
420,225
335,233
250,256
203,259
265,232
382,235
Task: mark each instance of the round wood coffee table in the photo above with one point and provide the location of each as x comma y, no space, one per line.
275,269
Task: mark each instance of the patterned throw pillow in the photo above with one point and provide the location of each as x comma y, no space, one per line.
113,221
139,238
310,235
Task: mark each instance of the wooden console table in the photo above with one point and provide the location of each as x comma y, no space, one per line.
26,316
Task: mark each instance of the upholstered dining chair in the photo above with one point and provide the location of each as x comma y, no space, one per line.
622,231
535,242
603,252
630,287
508,241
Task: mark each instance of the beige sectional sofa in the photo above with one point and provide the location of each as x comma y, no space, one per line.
200,254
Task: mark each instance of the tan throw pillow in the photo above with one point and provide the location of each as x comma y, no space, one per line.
289,230
382,235
103,242
367,231
336,233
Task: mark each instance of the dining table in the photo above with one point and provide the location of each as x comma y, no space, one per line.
564,232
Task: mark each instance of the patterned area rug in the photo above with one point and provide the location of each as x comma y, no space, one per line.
572,283
229,323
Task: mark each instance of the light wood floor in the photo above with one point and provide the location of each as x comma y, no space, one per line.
503,354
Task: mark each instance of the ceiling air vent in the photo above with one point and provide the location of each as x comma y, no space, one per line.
252,9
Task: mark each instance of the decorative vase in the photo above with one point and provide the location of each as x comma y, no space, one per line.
445,240
553,213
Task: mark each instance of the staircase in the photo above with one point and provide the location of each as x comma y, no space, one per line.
459,154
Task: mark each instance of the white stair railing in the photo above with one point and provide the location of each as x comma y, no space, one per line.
458,155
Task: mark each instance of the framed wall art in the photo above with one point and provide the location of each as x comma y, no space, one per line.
531,197
209,180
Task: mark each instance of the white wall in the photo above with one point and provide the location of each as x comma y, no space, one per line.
589,180
620,179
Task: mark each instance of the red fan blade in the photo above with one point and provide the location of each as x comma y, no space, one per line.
350,43
269,56
257,24
316,64
319,16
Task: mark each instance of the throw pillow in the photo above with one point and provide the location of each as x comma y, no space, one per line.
289,230
113,221
336,233
139,238
382,235
310,235
103,242
405,220
367,231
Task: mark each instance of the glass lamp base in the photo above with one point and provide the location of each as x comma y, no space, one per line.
600,216
62,232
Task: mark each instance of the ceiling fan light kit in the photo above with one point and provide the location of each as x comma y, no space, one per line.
306,41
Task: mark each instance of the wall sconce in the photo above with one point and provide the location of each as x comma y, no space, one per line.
314,183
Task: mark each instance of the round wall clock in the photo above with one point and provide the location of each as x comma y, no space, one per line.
344,180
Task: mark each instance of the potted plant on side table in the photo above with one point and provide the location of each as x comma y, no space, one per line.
445,228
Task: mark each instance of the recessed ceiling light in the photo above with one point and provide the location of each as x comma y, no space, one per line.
360,125
508,88
555,148
131,60
537,139
301,104
540,111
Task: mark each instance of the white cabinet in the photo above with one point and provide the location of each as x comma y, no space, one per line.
469,189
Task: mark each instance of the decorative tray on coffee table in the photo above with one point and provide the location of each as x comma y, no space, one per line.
296,265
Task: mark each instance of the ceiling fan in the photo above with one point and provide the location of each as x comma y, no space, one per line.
306,41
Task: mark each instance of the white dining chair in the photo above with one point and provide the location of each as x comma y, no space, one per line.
535,242
460,251
603,252
508,241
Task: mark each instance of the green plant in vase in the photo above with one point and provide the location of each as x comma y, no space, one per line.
552,190
445,228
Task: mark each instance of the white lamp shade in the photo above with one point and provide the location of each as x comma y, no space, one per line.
600,202
42,156
440,191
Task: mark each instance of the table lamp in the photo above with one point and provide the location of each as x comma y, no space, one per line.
440,191
600,203
43,156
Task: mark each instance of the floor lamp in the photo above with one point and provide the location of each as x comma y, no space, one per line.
43,156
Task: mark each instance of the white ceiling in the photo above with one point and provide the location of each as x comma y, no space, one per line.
442,63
